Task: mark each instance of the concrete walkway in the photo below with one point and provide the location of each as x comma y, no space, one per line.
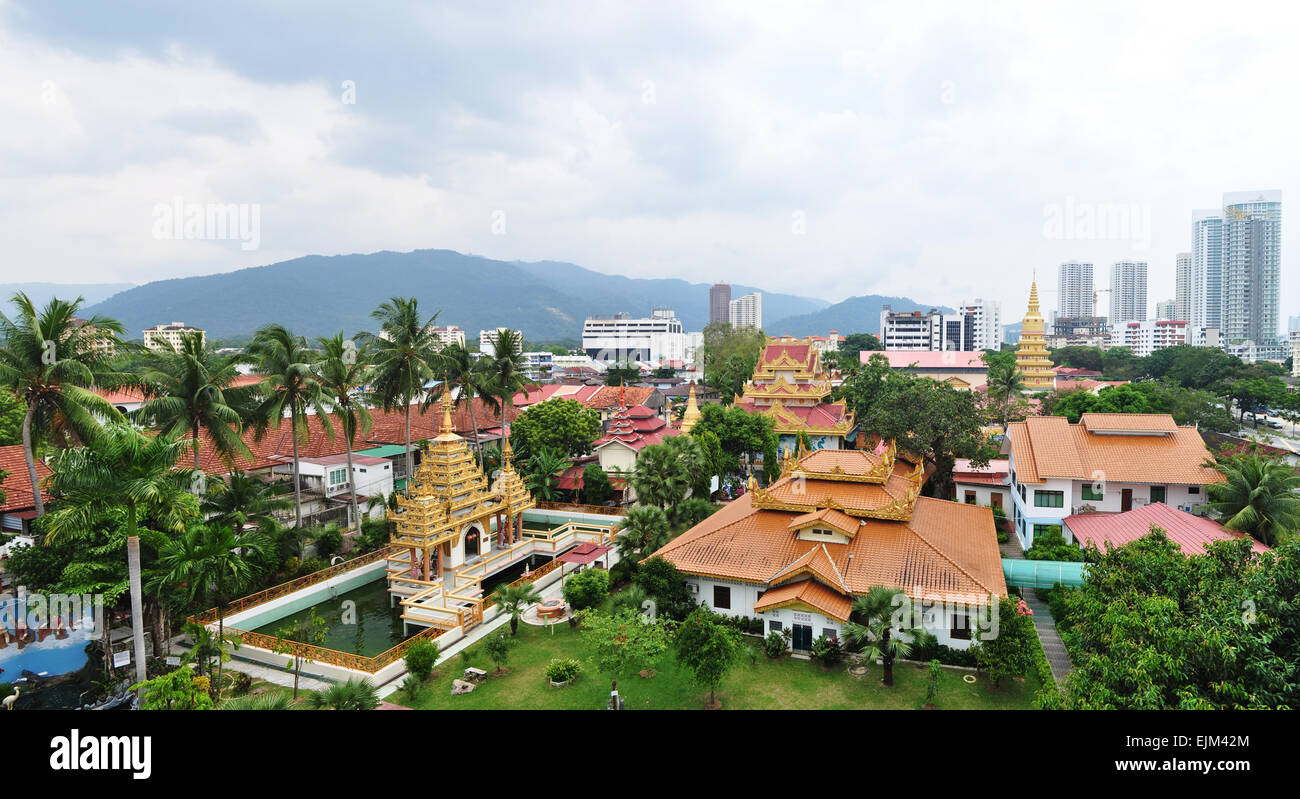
1057,657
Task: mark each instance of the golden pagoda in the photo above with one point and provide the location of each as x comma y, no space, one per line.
450,507
790,386
692,413
1031,351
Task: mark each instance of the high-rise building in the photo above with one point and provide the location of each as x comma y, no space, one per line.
1252,266
448,335
1031,352
487,341
1074,290
984,318
1128,291
746,311
975,326
1145,337
1183,287
1167,309
720,303
156,336
622,337
1207,269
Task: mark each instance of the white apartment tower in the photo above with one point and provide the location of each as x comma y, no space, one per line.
746,311
1183,287
1252,266
1128,291
1207,269
985,322
1167,309
1074,290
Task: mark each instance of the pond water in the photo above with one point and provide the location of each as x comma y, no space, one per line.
358,621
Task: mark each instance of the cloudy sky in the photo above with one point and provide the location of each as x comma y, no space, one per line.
829,150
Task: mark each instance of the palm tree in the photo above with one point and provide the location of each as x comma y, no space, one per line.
513,599
543,469
186,391
241,500
661,478
51,360
1005,383
403,357
355,694
341,375
470,378
875,631
1258,497
205,648
267,701
291,388
505,372
209,561
645,529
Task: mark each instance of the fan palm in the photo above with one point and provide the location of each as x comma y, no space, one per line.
268,701
403,357
543,470
513,600
661,478
51,360
185,391
470,378
355,694
645,529
291,388
341,373
1005,383
209,561
874,631
1257,498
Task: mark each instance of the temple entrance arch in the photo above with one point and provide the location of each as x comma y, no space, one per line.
473,539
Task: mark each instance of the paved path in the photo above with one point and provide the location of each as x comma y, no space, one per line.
1057,657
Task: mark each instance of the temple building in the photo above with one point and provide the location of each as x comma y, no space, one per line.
450,512
837,524
1031,352
790,386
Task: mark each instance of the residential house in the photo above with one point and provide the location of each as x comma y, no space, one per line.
1191,533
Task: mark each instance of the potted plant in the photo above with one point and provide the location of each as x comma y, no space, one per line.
562,671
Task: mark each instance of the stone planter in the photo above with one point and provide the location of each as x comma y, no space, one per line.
560,684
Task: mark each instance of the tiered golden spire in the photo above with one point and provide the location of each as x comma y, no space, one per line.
1031,351
692,413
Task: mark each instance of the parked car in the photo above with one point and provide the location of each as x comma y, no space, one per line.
1276,425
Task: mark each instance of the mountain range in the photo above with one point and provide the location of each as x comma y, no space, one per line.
40,293
319,295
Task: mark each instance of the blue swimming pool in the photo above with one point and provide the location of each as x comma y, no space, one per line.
47,658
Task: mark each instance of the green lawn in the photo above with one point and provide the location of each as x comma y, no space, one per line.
752,684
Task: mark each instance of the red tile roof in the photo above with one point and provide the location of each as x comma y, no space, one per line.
1190,532
17,486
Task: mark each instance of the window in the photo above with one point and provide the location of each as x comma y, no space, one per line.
960,629
1089,493
1193,489
1049,499
1158,493
1040,529
337,476
774,626
970,497
829,632
721,597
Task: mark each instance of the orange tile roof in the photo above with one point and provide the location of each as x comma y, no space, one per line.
17,486
849,461
840,521
1049,446
946,547
817,562
809,592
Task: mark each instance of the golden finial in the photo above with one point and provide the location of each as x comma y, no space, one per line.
447,405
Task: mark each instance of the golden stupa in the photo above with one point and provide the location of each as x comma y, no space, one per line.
1031,352
692,413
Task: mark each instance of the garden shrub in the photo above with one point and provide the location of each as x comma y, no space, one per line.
587,588
312,565
826,651
1051,545
947,655
329,541
243,683
775,645
563,670
420,658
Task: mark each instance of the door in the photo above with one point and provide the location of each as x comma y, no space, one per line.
803,637
1126,499
995,499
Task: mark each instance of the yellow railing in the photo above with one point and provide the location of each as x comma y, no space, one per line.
578,507
345,660
541,572
277,591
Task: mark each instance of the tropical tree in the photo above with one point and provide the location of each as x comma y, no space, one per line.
291,388
505,371
1005,382
513,600
596,487
241,500
355,694
625,641
661,478
210,562
341,374
185,392
544,468
51,361
1258,497
872,628
707,648
644,530
404,358
470,379
563,424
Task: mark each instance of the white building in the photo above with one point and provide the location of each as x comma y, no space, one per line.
1074,290
1295,353
1108,462
448,335
986,324
1252,266
1167,309
1128,291
537,365
1148,336
486,337
975,326
1183,287
746,311
1207,269
156,336
622,337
